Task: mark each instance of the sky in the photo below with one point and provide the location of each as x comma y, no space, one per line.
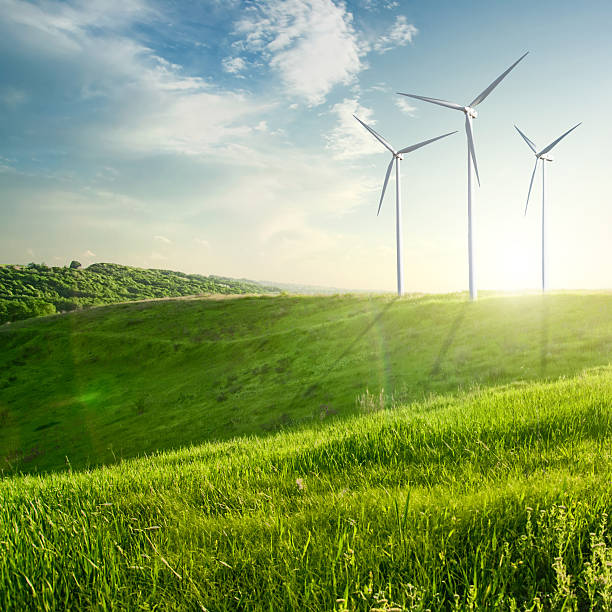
217,137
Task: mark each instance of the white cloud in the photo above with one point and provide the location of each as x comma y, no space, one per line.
405,106
88,253
233,65
149,105
194,123
311,43
52,16
400,35
162,239
381,87
376,5
64,23
202,242
349,139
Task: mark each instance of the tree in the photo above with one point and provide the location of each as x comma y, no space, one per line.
75,265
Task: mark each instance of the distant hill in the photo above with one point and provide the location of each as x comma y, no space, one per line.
299,289
36,289
128,379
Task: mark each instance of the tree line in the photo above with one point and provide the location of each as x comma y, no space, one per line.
38,289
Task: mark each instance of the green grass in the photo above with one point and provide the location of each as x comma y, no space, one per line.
343,453
495,499
92,387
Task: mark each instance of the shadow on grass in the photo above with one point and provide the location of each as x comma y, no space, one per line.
321,380
448,341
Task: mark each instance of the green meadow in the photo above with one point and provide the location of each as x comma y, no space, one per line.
309,453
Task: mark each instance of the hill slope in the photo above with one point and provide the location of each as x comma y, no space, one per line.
117,381
37,290
495,500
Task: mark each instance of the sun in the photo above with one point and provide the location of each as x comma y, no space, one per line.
517,266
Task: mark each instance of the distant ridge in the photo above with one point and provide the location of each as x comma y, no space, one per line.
316,289
37,289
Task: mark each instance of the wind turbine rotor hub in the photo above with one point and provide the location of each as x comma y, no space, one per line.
546,157
470,112
398,156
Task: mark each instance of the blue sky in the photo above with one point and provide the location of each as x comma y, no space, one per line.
217,137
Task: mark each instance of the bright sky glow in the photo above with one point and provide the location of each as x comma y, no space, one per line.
217,137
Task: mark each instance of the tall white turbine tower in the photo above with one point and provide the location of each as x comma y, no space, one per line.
544,157
396,156
470,113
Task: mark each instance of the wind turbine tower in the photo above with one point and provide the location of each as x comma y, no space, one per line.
470,113
396,157
544,157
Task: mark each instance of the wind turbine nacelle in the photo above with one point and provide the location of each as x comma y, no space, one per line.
547,158
470,112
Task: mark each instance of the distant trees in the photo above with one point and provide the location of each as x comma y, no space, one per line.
37,290
24,308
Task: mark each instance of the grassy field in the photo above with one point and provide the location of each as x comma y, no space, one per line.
91,387
496,499
337,453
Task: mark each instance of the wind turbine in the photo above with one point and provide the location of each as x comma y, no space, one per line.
396,156
470,113
544,157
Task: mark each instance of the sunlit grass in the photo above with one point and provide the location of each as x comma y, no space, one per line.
360,453
495,499
93,387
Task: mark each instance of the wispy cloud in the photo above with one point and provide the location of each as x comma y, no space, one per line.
348,139
312,44
292,236
377,5
405,106
144,103
163,239
233,65
400,35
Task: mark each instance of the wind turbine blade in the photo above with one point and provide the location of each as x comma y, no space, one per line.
552,144
376,135
531,183
382,195
434,101
470,137
478,99
530,144
425,142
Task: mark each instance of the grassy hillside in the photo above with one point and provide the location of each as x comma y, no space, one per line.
491,500
37,289
118,381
